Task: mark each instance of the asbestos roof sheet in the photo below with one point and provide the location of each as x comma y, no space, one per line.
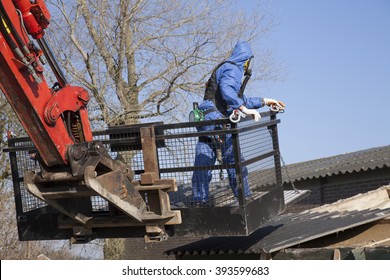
369,159
292,229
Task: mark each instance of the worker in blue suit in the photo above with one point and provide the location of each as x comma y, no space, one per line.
226,98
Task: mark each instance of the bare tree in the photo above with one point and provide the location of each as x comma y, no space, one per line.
9,245
143,59
139,59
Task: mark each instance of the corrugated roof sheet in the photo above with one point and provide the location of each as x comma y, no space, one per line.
292,229
369,159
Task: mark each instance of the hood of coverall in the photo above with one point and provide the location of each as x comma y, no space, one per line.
241,53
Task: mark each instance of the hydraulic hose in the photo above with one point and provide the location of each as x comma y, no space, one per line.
14,47
52,62
16,35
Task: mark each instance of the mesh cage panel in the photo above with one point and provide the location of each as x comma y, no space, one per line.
257,149
25,161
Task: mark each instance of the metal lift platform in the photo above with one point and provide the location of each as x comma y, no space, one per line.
161,157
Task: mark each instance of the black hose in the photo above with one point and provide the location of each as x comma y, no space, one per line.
5,33
243,85
10,25
52,62
14,47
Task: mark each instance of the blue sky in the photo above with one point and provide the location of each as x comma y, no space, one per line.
337,82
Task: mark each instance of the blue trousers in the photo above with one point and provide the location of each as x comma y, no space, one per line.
206,156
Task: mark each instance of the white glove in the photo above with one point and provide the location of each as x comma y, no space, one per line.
274,105
254,113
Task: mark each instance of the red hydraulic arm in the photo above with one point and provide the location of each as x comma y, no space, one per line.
73,167
54,117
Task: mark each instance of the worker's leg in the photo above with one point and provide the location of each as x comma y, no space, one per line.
228,158
202,176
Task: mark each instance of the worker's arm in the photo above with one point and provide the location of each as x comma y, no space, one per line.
253,102
229,85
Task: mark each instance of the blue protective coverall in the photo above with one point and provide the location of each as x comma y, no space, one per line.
229,78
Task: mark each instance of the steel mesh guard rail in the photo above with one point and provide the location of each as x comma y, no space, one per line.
254,147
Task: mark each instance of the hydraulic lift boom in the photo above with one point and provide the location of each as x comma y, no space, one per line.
73,167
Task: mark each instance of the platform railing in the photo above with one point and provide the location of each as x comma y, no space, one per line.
253,170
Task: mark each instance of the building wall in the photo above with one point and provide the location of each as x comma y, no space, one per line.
332,188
